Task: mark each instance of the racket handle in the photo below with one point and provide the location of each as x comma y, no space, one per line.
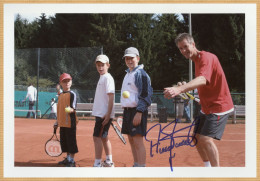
54,130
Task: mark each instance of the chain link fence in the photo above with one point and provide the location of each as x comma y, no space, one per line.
42,67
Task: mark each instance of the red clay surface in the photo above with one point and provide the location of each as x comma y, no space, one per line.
31,135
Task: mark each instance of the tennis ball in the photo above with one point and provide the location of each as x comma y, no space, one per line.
126,94
67,109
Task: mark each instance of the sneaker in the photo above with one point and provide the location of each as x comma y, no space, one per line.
106,164
64,162
71,164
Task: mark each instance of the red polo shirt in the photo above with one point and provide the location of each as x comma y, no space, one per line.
215,96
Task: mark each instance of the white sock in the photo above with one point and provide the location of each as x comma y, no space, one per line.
207,164
109,159
97,162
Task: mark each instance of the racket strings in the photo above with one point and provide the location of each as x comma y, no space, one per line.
53,148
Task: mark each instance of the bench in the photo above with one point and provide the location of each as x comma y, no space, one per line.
87,108
84,107
23,110
239,110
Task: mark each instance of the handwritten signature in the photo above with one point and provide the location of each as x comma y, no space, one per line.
188,140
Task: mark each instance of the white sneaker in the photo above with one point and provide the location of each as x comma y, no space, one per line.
107,164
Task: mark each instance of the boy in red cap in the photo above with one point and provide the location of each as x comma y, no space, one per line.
67,120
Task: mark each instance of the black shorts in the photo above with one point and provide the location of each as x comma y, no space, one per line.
98,125
68,140
211,125
128,128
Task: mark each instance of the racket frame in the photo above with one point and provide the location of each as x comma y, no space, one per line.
55,139
192,97
118,132
118,122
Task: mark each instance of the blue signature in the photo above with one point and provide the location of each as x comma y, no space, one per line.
188,140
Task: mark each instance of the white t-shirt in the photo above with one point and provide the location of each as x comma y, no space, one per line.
105,85
54,107
129,85
31,93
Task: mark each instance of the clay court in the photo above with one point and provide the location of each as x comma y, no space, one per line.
31,135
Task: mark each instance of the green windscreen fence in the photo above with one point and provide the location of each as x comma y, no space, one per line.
87,96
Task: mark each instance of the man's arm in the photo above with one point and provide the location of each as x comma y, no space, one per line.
27,94
171,92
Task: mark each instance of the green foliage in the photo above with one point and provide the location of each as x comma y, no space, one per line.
225,37
42,82
152,34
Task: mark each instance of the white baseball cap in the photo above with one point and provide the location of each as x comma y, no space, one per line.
102,58
131,52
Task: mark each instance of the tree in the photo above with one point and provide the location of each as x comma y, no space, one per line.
23,32
152,34
225,37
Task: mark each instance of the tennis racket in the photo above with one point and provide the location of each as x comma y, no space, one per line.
118,132
119,121
52,146
192,97
182,95
189,96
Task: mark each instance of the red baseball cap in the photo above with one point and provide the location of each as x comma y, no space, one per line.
65,76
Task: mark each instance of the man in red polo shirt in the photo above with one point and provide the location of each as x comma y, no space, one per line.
215,98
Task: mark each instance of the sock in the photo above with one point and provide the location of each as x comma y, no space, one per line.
97,162
68,158
109,159
207,164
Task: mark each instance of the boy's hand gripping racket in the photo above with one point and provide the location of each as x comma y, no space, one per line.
52,146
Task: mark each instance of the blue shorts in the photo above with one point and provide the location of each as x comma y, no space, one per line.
211,125
98,126
128,128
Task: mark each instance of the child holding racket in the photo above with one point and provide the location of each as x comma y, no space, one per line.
215,98
137,83
103,110
67,120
